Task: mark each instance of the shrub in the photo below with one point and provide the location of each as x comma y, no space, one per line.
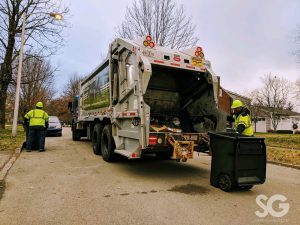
284,132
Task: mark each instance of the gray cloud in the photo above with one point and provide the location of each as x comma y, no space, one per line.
243,39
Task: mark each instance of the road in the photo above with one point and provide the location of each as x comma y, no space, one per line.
68,184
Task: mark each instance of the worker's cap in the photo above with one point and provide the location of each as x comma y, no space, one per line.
236,104
39,104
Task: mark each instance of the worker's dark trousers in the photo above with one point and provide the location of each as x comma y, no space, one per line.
38,133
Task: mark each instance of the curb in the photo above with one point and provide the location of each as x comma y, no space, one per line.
285,165
5,169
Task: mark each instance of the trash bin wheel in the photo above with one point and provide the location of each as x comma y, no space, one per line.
225,182
246,187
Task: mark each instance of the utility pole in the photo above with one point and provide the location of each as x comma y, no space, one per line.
17,98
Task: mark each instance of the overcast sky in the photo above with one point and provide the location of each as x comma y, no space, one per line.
243,39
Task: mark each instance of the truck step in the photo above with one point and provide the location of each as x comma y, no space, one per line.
127,153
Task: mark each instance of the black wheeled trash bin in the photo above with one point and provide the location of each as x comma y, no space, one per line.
237,161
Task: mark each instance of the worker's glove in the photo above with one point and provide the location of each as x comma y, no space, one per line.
47,125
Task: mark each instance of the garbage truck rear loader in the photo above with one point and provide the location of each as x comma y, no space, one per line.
145,98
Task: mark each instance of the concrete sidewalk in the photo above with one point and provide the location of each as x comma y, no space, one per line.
7,159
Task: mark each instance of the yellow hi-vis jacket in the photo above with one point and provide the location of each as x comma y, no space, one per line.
246,121
37,117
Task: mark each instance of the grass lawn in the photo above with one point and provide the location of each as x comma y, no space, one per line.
8,142
283,155
284,148
289,141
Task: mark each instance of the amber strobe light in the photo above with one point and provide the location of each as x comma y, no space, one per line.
148,42
199,52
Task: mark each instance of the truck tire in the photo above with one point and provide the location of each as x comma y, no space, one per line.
96,138
107,144
76,135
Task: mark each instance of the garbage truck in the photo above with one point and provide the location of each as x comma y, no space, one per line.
148,99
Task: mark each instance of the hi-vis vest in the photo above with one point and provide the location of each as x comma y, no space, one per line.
246,121
37,117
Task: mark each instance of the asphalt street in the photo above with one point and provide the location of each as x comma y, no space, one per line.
68,184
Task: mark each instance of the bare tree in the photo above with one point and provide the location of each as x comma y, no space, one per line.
297,40
58,106
274,96
37,84
162,19
255,107
71,88
43,35
297,87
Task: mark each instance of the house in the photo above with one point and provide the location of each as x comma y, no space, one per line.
287,118
227,97
262,116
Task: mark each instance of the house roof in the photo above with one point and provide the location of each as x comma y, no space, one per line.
281,112
237,96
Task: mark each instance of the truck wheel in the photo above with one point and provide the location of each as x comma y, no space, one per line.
76,135
107,144
96,138
225,182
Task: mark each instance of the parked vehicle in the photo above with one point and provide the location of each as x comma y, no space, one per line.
55,127
145,98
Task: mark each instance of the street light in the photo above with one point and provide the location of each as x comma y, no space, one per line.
56,16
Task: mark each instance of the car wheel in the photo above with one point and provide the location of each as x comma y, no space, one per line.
107,144
96,138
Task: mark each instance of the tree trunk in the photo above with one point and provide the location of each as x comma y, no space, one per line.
3,94
6,70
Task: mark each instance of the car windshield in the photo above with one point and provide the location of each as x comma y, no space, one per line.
53,119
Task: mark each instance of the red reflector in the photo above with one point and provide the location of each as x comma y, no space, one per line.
152,140
175,64
199,49
132,114
159,61
149,38
133,155
177,59
190,67
197,54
